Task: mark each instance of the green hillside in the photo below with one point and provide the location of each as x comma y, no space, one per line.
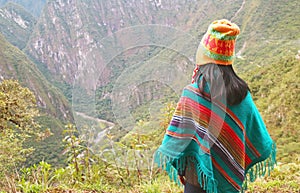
269,32
54,107
276,89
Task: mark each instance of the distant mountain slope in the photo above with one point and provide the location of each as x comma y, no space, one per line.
275,89
269,32
71,35
14,64
96,41
35,7
92,42
16,24
54,108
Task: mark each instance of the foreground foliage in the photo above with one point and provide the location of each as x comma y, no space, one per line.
284,179
17,124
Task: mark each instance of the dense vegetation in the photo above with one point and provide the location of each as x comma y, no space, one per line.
52,105
17,125
275,89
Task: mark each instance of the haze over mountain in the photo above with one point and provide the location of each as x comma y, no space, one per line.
70,36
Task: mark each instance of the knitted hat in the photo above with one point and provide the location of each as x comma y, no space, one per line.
217,45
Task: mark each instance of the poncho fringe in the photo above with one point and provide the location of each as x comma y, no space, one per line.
260,169
172,165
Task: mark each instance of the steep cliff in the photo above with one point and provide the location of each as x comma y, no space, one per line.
72,36
94,43
90,44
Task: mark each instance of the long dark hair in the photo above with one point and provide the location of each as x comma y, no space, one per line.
223,83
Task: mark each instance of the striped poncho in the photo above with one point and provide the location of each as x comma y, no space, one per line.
228,145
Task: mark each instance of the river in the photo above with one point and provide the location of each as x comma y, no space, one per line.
102,133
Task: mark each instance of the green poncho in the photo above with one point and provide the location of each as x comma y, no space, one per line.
224,143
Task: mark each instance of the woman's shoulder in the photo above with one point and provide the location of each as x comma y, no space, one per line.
246,106
248,100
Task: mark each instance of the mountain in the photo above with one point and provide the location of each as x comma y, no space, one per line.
72,36
15,64
76,37
34,7
16,24
121,60
90,45
54,107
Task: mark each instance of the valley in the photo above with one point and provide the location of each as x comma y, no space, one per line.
107,74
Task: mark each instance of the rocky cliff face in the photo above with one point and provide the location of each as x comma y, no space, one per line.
94,42
69,35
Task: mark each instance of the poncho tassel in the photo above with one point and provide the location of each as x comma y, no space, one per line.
260,169
173,165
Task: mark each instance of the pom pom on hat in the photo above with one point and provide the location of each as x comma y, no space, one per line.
218,44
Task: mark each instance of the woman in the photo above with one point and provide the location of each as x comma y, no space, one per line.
216,136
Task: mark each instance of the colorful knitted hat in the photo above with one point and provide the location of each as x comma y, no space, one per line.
217,45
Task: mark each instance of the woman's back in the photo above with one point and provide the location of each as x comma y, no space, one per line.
216,134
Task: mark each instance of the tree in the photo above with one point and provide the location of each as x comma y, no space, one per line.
18,110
